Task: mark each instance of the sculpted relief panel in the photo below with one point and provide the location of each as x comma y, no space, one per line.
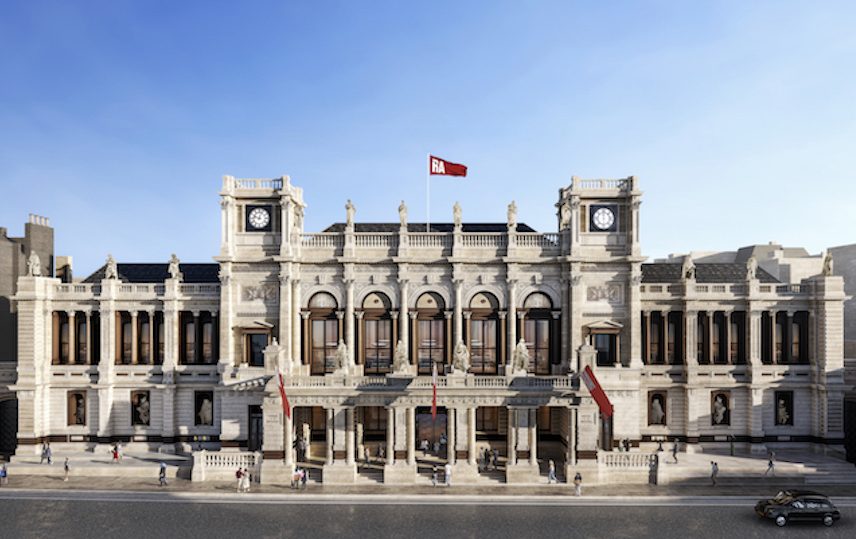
612,294
262,292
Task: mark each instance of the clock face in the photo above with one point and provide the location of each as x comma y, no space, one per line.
258,218
603,218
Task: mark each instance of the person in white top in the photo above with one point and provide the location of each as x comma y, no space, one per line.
448,470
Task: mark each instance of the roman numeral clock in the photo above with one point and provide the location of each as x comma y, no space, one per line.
258,219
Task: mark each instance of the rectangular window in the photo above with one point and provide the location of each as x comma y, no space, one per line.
254,347
208,342
159,338
126,341
716,334
606,345
795,339
63,341
536,334
432,337
378,346
325,339
374,419
656,324
779,339
784,408
76,408
80,340
483,354
671,339
189,341
703,340
145,350
487,419
734,340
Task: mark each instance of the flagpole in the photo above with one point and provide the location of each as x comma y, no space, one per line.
428,194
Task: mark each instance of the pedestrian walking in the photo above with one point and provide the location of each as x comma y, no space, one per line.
675,450
162,474
239,475
435,475
115,452
627,445
49,453
304,477
448,474
437,448
714,471
495,459
4,474
245,481
551,472
578,484
44,454
771,464
424,446
65,469
381,454
367,454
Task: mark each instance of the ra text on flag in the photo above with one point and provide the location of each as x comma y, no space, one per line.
441,167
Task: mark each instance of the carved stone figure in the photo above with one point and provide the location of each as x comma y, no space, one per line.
174,270
402,214
79,410
688,269
719,410
34,265
143,410
206,413
342,359
112,270
400,363
751,268
520,357
461,361
564,216
456,214
512,214
658,415
782,415
827,265
349,213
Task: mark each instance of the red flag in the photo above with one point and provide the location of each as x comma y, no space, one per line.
286,407
441,167
434,397
597,392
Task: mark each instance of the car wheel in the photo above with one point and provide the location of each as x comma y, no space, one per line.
781,520
828,520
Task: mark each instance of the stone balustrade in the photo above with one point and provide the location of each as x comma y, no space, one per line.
82,291
627,461
222,465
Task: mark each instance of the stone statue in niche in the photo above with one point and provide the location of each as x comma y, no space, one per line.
174,268
142,409
206,412
349,213
400,363
827,265
512,214
342,359
461,360
34,265
402,214
720,410
751,268
658,414
456,214
112,269
564,216
520,357
782,415
688,269
79,410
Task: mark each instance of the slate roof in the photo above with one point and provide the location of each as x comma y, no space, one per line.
157,273
435,227
705,273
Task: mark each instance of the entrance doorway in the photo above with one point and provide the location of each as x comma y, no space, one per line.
432,430
8,426
256,428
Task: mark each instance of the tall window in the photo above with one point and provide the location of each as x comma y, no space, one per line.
537,332
656,351
430,333
254,348
487,419
795,338
606,345
145,350
64,340
671,338
779,339
734,338
377,334
127,345
716,334
189,339
80,341
484,326
159,338
208,341
703,340
323,333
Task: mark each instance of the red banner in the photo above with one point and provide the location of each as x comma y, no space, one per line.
286,407
597,392
441,167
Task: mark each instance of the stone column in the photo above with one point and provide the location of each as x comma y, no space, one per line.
411,436
571,455
134,335
563,328
533,437
349,319
390,435
329,436
635,306
450,435
285,319
754,332
403,333
288,444
691,337
450,346
349,436
306,354
72,338
512,320
414,344
471,435
459,334
295,323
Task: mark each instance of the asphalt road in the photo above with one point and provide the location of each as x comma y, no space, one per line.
85,517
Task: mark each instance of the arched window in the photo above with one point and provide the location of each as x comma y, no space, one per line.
483,333
430,332
377,334
537,331
323,333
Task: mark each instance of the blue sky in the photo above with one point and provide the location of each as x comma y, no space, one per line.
119,118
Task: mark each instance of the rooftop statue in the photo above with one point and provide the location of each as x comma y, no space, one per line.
456,214
174,271
751,268
34,265
349,213
688,269
827,264
512,214
112,269
402,214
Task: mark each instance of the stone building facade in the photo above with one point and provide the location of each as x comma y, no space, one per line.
356,317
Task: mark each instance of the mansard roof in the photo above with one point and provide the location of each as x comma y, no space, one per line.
435,227
157,273
705,273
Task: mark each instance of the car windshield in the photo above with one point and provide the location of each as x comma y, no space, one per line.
782,497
